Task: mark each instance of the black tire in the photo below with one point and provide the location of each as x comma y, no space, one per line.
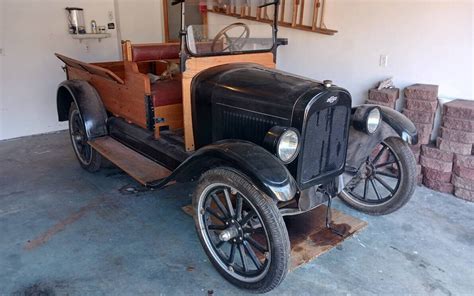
274,252
88,158
402,192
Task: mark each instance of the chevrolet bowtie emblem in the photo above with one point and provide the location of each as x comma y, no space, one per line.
331,100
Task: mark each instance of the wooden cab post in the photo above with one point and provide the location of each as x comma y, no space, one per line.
197,64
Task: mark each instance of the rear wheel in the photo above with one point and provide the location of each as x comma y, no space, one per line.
88,158
384,182
241,231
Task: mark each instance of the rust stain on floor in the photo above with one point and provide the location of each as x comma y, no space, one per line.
61,225
310,238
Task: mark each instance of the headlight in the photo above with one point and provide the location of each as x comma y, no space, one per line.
284,142
373,120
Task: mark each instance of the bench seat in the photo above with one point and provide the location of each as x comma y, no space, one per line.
166,92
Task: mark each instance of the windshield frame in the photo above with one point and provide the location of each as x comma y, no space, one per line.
185,44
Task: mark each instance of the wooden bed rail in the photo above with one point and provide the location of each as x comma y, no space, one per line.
92,69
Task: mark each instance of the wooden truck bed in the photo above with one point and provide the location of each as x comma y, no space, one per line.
126,91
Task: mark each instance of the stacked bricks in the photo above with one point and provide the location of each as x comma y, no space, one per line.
463,177
437,167
421,102
384,97
457,137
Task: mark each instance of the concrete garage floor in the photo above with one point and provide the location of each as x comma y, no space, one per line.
66,231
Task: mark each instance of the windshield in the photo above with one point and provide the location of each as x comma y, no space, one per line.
225,31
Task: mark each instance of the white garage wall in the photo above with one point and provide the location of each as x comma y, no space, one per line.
141,21
2,26
30,72
429,41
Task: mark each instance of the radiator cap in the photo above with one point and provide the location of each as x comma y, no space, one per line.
327,83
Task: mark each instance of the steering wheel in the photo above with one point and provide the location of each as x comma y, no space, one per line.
235,44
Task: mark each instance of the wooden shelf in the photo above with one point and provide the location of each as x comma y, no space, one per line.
313,22
98,36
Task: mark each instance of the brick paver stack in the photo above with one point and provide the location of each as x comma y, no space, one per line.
457,136
421,102
384,97
437,168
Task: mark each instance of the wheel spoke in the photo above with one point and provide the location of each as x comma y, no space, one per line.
220,205
211,211
379,154
252,255
229,202
375,189
385,164
238,209
216,227
247,218
384,184
387,174
257,245
366,187
232,253
242,257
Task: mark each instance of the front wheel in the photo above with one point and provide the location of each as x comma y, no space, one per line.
385,182
241,230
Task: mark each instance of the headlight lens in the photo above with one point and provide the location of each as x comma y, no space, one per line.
288,145
373,120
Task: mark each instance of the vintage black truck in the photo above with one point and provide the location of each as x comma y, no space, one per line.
262,143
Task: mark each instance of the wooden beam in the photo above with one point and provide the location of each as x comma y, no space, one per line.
294,13
315,15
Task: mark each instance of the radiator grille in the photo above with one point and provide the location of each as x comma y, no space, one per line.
325,143
243,125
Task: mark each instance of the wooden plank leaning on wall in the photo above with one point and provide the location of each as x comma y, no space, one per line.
198,64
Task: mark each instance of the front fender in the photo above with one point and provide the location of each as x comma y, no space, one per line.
263,169
394,124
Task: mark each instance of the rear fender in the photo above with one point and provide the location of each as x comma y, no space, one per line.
262,168
88,102
394,124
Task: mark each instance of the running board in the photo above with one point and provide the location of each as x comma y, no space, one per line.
139,167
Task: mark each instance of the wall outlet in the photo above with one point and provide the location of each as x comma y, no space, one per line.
383,60
110,14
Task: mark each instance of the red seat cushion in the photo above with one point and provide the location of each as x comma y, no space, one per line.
166,92
154,52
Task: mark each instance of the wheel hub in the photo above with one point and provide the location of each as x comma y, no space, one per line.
78,137
369,169
233,231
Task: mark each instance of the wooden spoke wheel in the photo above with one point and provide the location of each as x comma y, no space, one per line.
241,231
384,182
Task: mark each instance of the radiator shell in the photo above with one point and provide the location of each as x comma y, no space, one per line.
243,101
